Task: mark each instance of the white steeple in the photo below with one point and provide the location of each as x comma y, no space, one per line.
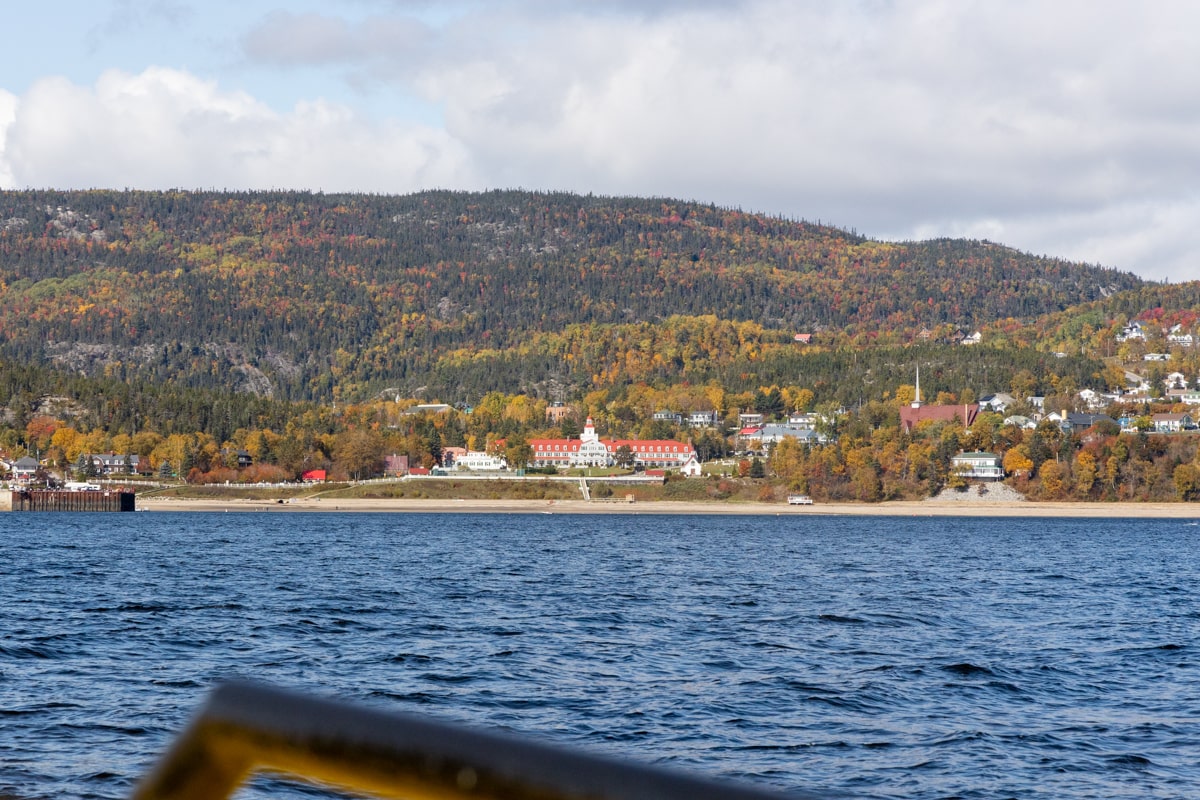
916,403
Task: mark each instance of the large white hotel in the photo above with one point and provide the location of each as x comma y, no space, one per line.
589,450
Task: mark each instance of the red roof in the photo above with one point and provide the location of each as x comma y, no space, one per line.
563,445
546,448
313,475
652,445
965,414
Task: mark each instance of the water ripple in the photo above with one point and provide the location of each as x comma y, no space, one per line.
906,658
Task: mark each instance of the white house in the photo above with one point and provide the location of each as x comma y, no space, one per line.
978,465
1181,339
479,461
1171,423
1175,380
998,402
1131,331
1095,400
24,469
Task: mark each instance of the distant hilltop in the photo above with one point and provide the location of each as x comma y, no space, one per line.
304,296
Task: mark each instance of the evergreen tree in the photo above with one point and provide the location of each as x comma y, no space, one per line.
624,457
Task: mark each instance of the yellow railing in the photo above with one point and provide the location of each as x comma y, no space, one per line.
245,729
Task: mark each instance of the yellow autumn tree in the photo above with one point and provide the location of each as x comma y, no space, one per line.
1085,472
1017,461
1054,480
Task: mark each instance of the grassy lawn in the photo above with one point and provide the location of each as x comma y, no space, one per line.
734,490
450,489
236,492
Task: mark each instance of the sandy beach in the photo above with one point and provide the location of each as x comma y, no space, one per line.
922,508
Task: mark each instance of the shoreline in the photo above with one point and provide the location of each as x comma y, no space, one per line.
905,508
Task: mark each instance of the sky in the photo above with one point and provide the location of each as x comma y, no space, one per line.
1069,129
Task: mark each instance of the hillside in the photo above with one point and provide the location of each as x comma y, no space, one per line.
310,296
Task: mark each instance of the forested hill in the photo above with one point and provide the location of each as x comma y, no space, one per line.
313,296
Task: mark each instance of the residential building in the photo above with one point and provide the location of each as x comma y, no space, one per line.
1074,422
998,402
768,435
429,408
479,461
395,465
978,465
1175,380
557,412
239,458
1172,423
1181,339
24,469
114,464
1131,331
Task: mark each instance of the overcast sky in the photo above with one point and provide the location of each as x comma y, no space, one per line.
1069,128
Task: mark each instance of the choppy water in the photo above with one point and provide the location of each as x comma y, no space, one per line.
868,657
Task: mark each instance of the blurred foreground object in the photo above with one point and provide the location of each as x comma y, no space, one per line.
245,729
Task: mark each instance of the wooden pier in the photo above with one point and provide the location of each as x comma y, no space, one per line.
55,500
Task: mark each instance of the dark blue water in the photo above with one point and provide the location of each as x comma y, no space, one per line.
871,657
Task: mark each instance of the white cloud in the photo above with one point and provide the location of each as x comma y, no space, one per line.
8,113
165,128
887,117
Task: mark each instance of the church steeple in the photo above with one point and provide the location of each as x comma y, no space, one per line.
916,403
